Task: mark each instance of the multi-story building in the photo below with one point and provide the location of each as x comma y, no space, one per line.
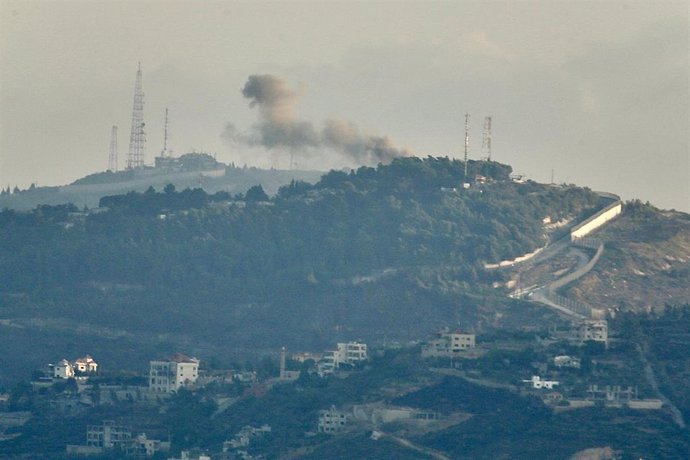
593,330
141,445
63,370
108,436
332,420
345,353
353,352
448,345
170,375
586,330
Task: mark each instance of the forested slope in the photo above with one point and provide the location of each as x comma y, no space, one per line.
389,252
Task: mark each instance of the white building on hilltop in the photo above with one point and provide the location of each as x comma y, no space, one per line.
169,376
448,345
346,353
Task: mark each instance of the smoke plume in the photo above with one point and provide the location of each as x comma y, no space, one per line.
278,128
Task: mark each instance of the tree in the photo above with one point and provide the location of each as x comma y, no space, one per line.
256,193
169,189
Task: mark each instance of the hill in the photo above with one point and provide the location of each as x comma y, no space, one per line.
646,263
387,253
192,170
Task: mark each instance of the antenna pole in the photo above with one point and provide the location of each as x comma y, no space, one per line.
486,141
165,152
137,137
112,157
467,140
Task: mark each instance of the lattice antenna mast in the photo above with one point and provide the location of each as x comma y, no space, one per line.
137,137
486,140
112,157
165,152
467,140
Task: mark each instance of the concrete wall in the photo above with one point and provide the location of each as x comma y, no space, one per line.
596,221
510,263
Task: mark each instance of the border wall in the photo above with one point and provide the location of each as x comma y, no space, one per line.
587,226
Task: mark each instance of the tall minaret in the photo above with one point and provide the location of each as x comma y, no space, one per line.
282,364
137,137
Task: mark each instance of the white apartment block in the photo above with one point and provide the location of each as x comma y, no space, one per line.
448,344
170,375
345,353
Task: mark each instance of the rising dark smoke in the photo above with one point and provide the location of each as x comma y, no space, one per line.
277,103
278,128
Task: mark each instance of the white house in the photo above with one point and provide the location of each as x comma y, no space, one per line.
448,344
538,383
63,370
170,375
86,365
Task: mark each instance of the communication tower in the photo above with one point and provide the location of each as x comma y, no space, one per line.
165,152
137,137
486,140
467,141
112,157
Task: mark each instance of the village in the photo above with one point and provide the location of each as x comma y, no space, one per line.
574,366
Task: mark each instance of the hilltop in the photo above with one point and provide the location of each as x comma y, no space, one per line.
192,170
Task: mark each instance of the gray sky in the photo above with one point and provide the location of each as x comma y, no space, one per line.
598,91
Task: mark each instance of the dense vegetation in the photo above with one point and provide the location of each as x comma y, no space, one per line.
665,339
394,251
